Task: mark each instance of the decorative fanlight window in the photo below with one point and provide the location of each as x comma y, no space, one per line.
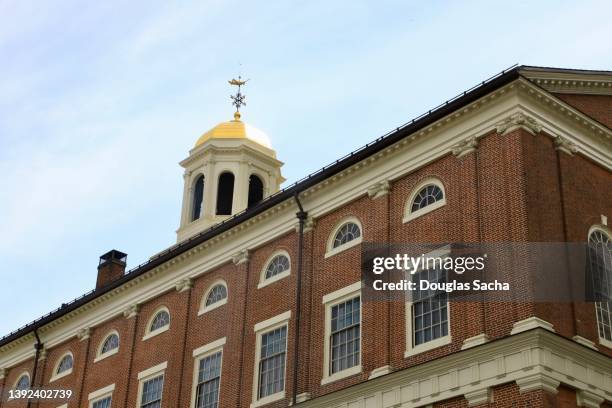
426,197
215,296
346,235
277,267
600,265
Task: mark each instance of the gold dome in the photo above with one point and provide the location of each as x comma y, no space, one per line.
235,129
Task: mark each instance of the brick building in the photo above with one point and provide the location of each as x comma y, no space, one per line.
259,302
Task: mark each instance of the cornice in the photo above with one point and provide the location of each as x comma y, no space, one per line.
557,84
535,360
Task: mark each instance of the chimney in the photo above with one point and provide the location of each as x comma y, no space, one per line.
111,267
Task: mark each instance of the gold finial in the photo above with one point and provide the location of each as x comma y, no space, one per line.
238,100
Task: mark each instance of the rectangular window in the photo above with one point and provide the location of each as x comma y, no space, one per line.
429,308
345,335
152,392
342,336
272,362
209,379
102,403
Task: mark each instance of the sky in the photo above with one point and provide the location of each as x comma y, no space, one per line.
99,101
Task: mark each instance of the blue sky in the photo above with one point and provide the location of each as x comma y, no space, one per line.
99,101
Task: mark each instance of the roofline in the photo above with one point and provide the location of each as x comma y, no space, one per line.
532,68
499,80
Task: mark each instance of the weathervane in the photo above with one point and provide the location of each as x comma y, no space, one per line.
238,99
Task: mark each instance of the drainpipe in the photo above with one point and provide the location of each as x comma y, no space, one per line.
38,346
301,216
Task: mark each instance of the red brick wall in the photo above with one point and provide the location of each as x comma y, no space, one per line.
599,107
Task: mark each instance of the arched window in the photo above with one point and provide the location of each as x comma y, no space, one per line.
110,345
600,264
23,383
158,323
63,367
277,267
427,196
256,190
65,364
225,193
214,297
161,320
217,294
347,234
198,198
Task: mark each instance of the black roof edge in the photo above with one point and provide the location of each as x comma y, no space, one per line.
427,118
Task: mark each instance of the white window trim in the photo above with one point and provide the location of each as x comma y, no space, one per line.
26,373
63,406
100,394
330,300
152,333
262,278
201,353
330,250
602,228
432,344
102,356
260,329
409,215
55,376
148,374
203,308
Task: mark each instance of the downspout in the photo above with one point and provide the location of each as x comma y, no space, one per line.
38,346
301,216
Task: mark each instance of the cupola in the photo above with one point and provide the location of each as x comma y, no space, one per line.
231,167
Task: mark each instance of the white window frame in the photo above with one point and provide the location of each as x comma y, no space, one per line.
100,394
330,300
262,279
55,376
203,308
440,341
148,374
409,215
260,329
152,333
102,356
331,251
27,374
601,228
198,355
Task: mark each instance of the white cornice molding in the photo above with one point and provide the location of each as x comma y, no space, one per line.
573,83
379,189
587,399
538,381
478,397
535,360
240,257
84,334
465,147
476,120
565,146
184,284
131,311
516,121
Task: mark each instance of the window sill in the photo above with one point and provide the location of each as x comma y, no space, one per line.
430,345
425,210
269,399
349,372
605,343
273,279
105,355
344,247
61,375
212,307
155,333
